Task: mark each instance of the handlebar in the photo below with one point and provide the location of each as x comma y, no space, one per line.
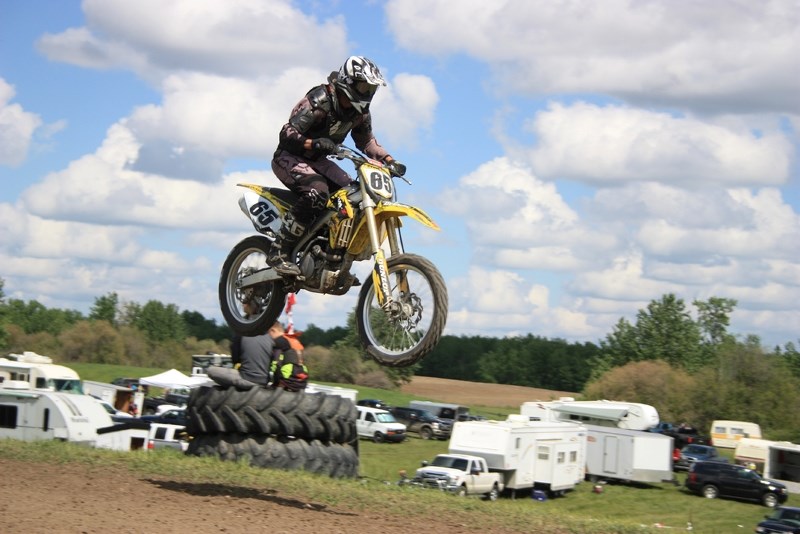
344,152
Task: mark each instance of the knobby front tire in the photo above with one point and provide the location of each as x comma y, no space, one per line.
406,338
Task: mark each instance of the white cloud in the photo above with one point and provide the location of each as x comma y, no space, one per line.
615,144
16,128
714,55
247,38
403,109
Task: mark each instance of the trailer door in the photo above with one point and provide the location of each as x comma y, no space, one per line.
610,453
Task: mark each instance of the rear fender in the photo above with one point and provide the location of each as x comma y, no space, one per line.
264,208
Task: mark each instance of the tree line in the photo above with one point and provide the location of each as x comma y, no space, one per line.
682,361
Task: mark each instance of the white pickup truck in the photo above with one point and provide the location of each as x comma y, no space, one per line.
461,474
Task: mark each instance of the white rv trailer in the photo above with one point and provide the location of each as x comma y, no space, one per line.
630,415
628,455
34,415
550,455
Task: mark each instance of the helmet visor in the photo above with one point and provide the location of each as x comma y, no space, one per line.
365,89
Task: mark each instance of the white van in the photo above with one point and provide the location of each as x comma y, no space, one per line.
379,425
726,434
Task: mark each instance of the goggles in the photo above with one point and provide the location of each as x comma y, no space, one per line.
365,89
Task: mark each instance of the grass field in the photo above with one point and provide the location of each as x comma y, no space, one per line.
619,508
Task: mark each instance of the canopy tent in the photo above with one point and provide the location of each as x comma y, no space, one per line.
173,379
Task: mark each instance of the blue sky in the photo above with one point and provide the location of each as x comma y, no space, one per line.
582,158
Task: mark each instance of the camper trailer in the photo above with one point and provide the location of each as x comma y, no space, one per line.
752,452
38,372
550,455
34,415
630,415
726,434
627,455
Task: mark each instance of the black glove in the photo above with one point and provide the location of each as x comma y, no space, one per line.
324,145
397,168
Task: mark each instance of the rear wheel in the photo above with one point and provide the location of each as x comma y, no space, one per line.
493,494
408,330
710,491
247,257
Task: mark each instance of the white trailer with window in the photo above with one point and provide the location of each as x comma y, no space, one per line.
550,455
628,455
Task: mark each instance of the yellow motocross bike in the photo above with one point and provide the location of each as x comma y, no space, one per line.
402,307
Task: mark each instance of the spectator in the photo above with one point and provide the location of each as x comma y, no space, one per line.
288,368
251,357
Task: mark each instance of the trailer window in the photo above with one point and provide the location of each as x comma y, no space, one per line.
8,416
573,456
516,443
561,457
543,453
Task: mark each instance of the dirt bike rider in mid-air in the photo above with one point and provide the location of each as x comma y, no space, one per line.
320,121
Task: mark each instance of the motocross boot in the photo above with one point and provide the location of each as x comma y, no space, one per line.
281,251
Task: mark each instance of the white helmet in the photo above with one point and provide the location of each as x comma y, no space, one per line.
359,79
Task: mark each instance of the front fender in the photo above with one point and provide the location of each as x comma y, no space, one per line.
383,212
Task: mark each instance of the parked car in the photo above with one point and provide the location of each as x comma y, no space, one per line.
422,422
697,453
379,425
168,436
716,479
373,403
782,519
175,416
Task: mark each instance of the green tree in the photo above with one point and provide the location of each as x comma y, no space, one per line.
201,328
664,331
160,322
92,342
105,309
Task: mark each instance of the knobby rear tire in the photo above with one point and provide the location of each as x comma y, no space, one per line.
251,252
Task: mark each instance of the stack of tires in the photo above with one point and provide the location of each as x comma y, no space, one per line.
275,428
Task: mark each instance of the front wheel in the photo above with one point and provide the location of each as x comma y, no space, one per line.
411,327
770,500
248,257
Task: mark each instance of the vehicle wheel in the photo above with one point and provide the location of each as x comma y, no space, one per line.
462,491
710,491
402,336
493,494
247,257
425,432
770,500
378,437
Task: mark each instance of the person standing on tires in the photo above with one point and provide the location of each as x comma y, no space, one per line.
288,368
251,357
318,123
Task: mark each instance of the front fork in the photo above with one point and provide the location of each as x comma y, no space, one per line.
380,272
